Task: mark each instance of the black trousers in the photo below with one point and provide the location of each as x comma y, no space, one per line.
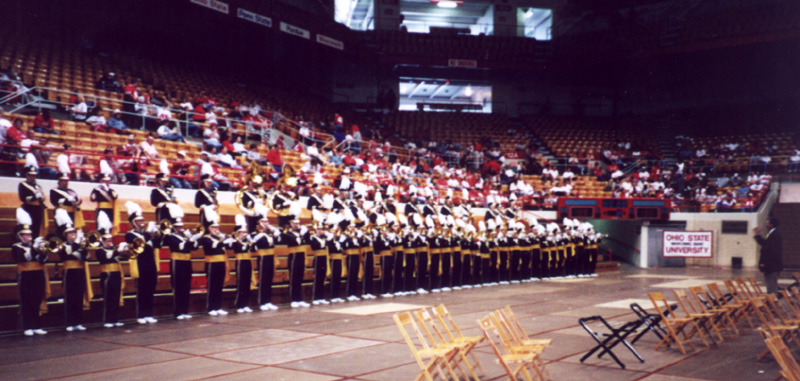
399,269
36,212
562,262
284,221
297,267
494,257
369,272
486,270
536,263
320,273
146,284
503,270
446,260
458,265
387,272
411,282
74,288
515,258
435,280
422,270
244,274
111,283
30,285
545,268
353,263
593,263
525,264
215,273
181,286
266,271
336,278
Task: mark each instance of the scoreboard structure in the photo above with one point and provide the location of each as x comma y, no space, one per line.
614,208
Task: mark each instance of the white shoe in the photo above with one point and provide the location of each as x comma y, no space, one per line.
144,321
108,325
151,320
514,282
295,305
316,302
213,313
399,293
70,329
387,295
304,305
372,296
264,307
594,275
436,291
447,289
28,332
477,286
456,287
248,309
80,327
421,291
353,298
411,292
39,331
337,300
467,286
272,307
222,312
504,282
240,311
180,317
120,324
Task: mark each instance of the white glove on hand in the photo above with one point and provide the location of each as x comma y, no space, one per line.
123,246
195,237
229,241
79,237
151,227
187,233
39,243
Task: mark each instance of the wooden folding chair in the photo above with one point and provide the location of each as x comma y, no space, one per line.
455,335
517,331
771,325
779,311
739,297
511,346
722,316
675,325
702,322
745,290
790,370
754,284
738,309
513,363
424,318
429,359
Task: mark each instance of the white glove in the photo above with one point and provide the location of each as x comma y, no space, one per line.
39,243
187,233
195,237
222,237
151,227
79,237
123,246
229,241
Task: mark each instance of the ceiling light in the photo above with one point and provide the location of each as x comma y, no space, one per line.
468,91
447,4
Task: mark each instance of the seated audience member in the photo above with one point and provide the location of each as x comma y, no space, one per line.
116,124
43,123
726,204
226,160
253,155
98,123
178,170
211,137
79,109
108,82
169,131
149,149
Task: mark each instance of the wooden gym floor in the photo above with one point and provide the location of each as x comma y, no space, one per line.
359,341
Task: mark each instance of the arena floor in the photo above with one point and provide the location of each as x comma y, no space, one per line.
359,341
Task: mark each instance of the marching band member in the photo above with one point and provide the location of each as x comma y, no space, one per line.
368,261
421,243
514,250
446,258
110,272
181,243
264,242
484,249
105,197
144,262
503,243
32,281
384,240
214,245
456,255
74,256
494,258
32,197
292,240
336,244
397,254
206,197
319,248
352,250
64,198
535,238
244,265
280,203
319,212
434,283
246,199
161,196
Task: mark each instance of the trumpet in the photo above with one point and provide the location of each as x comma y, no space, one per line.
136,247
54,244
93,241
165,227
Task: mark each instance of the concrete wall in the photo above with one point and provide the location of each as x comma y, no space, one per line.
624,239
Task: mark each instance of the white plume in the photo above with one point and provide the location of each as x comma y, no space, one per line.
295,209
482,226
163,167
62,217
261,209
334,219
402,219
240,220
63,164
175,211
132,208
103,222
30,160
378,197
418,219
105,168
206,169
380,220
23,218
211,215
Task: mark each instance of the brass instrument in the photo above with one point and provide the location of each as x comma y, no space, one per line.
284,211
137,247
54,245
92,241
198,229
164,227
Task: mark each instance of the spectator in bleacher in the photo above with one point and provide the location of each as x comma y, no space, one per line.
794,161
726,204
335,157
238,147
79,109
116,124
149,149
211,117
131,165
211,136
180,167
226,160
168,130
5,125
108,82
97,123
43,123
253,155
274,158
130,88
79,165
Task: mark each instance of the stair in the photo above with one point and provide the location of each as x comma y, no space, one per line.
789,216
605,264
533,139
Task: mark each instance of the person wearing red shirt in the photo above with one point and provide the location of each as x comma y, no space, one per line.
43,123
199,114
274,158
16,133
